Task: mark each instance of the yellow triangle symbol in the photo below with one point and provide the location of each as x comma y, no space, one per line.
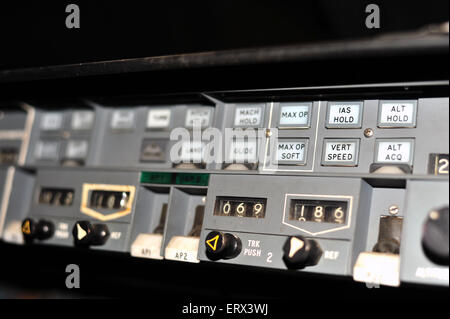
215,240
26,229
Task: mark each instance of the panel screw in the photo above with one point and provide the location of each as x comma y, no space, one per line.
394,210
368,132
66,135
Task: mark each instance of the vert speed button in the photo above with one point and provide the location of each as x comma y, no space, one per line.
222,245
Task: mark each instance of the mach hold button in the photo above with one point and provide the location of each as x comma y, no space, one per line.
87,234
222,245
300,252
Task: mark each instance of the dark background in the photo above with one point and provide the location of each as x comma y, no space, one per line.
33,33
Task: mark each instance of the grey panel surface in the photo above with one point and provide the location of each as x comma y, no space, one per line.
181,214
17,205
66,216
278,190
149,208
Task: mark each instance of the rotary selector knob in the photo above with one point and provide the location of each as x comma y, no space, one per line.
88,234
40,230
222,245
300,252
435,239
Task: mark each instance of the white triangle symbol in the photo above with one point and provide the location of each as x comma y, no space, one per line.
296,245
81,233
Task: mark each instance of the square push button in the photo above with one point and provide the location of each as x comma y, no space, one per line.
52,121
295,115
340,152
248,116
394,151
397,114
153,150
158,119
82,120
123,120
199,117
344,115
291,152
47,150
77,149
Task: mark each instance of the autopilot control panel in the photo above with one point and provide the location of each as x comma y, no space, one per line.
343,184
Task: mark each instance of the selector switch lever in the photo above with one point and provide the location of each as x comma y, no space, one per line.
300,252
222,245
87,234
435,237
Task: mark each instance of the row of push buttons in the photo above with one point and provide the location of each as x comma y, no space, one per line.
80,120
391,114
345,152
161,118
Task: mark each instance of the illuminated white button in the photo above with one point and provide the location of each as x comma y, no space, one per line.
123,119
291,152
344,114
82,120
47,150
158,119
77,149
200,117
340,152
397,114
51,121
295,115
248,116
394,151
242,151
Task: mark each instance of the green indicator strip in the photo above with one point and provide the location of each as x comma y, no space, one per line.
192,179
156,178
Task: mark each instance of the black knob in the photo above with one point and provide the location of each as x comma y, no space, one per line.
44,230
300,252
222,245
435,239
87,234
28,230
40,230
